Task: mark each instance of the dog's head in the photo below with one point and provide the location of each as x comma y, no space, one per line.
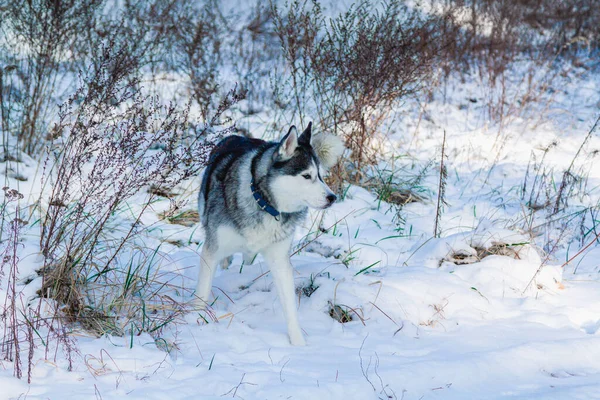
299,163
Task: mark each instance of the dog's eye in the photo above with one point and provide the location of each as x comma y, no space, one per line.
306,176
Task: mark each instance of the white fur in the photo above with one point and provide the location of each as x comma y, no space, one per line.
277,257
293,193
329,149
276,254
289,145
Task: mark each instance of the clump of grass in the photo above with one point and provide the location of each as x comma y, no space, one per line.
568,178
347,256
547,198
478,253
340,313
99,323
540,186
186,218
308,288
392,190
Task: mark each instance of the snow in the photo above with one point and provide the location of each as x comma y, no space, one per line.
433,318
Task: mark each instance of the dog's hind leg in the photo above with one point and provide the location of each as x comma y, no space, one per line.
226,262
209,260
278,260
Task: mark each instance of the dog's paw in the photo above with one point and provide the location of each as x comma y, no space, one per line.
297,339
197,304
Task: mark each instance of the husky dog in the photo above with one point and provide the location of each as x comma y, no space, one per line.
253,195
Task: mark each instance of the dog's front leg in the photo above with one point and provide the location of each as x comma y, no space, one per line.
208,266
278,260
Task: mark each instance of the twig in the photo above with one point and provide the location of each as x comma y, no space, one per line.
281,371
235,388
364,371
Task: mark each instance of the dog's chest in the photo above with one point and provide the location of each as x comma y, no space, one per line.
263,234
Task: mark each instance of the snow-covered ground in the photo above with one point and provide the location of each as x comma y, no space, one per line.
500,306
480,313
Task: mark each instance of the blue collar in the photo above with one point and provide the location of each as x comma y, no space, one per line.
262,203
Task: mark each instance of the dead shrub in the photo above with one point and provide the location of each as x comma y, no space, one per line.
253,52
114,142
35,49
46,44
490,40
355,67
196,37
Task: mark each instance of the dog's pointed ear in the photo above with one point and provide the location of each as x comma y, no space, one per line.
329,148
287,145
306,135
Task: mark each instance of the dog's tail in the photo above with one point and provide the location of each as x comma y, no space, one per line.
329,149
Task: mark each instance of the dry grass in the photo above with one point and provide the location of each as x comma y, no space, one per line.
500,249
165,192
393,192
186,218
341,314
438,314
462,257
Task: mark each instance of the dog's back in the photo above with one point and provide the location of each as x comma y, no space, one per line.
227,152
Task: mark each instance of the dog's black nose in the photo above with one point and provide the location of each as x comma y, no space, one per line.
331,198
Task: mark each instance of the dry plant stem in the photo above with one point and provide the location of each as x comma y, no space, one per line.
581,251
365,371
437,230
13,305
30,341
